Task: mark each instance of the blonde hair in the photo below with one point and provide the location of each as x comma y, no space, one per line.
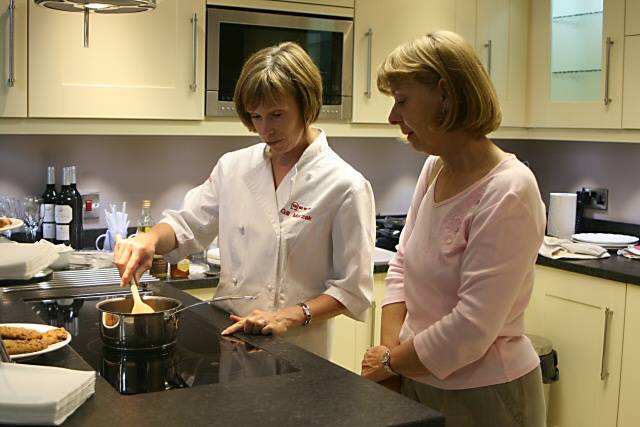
444,55
284,70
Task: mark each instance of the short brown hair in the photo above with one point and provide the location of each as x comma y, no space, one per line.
275,72
447,56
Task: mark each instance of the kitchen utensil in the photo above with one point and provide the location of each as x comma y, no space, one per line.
138,305
212,300
121,329
4,354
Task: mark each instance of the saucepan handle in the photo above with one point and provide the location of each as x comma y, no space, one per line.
209,301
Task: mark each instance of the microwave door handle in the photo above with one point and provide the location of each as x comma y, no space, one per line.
369,36
193,86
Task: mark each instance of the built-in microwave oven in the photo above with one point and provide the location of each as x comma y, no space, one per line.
233,35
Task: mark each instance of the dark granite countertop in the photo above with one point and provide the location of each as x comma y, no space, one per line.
319,394
615,267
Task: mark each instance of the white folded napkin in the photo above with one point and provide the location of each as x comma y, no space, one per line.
43,395
23,260
555,248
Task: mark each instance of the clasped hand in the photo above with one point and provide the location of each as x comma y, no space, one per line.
372,367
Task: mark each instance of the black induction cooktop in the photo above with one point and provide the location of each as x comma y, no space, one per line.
200,356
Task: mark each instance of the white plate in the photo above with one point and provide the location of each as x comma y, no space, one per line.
40,328
15,223
605,239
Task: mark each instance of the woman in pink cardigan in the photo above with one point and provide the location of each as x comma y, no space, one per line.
457,289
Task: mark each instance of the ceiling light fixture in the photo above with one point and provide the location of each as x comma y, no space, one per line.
98,6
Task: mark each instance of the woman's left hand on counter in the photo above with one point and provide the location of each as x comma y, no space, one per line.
264,322
372,367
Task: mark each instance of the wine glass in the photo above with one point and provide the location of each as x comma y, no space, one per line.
32,215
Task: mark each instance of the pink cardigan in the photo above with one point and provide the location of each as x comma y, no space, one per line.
464,268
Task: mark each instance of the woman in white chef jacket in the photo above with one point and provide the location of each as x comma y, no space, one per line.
295,223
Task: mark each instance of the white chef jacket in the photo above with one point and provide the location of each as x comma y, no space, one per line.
314,235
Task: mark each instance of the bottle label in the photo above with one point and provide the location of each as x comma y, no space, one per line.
62,232
48,231
63,214
49,215
183,265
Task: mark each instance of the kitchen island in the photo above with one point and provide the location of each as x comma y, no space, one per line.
318,393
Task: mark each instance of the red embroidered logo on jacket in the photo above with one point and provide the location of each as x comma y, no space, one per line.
296,210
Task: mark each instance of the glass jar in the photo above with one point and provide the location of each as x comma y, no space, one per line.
180,270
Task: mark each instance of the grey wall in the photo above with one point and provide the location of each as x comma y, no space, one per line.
163,168
562,166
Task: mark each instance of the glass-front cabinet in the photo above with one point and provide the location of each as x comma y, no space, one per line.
576,63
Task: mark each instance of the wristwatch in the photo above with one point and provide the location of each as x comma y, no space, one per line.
307,312
386,362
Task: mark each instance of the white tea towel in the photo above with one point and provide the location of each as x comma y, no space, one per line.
42,395
555,248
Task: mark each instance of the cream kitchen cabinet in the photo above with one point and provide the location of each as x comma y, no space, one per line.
501,43
629,406
378,30
631,100
147,65
576,63
352,338
632,18
583,317
13,58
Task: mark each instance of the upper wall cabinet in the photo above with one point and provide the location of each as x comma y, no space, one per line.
147,65
576,53
501,43
632,18
631,102
377,33
13,58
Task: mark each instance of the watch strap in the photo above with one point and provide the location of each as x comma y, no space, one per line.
307,312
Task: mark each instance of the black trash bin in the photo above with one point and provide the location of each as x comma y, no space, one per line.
548,362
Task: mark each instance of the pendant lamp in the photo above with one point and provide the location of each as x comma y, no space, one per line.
98,6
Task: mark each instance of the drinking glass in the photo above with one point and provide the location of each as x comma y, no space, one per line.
32,215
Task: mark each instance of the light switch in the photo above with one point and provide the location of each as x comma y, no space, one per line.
91,206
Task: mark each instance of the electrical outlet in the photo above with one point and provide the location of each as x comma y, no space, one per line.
91,205
599,198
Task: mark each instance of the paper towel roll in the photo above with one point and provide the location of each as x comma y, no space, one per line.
562,215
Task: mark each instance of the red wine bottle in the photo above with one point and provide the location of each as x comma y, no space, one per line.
49,199
64,211
76,223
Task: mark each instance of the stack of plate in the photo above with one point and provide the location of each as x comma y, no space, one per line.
606,240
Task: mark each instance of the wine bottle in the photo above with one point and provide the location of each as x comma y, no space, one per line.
49,198
63,212
76,223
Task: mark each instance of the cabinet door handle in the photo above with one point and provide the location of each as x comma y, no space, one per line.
369,36
608,44
194,79
12,77
373,323
489,46
604,367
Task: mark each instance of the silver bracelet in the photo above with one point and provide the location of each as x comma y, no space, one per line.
307,312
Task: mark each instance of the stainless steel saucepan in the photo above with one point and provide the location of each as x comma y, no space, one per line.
121,329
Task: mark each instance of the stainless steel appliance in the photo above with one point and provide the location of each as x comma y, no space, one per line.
233,35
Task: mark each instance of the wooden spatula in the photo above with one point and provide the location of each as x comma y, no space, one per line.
138,305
